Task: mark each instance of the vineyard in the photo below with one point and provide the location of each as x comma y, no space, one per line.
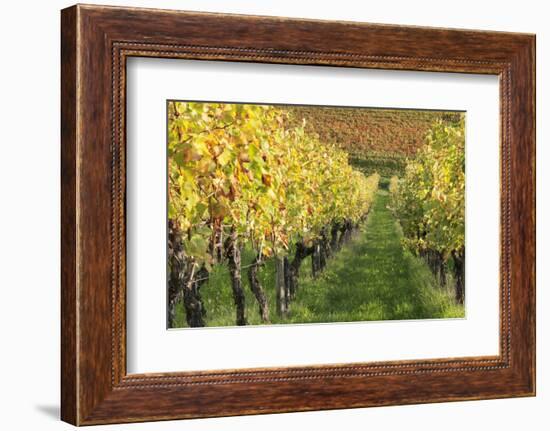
378,140
272,220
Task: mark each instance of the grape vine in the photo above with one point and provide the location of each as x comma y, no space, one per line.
429,203
246,176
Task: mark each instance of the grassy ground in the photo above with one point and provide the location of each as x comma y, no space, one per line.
371,278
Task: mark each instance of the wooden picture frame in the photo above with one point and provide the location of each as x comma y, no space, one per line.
95,43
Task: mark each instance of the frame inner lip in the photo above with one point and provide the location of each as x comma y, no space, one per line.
125,49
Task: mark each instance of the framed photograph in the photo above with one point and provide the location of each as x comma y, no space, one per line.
264,215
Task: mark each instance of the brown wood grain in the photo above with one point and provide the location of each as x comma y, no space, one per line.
68,217
96,41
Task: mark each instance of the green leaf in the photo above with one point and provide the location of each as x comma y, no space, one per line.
224,157
197,246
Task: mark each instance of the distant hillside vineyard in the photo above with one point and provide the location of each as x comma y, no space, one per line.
376,139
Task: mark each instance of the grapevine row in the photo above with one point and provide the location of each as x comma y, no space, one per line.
429,203
244,176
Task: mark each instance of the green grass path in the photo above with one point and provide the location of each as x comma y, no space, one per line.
371,278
